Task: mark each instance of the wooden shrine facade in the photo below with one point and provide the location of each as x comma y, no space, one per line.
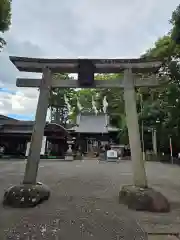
15,134
92,131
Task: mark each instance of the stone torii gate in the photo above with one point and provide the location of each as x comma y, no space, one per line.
130,79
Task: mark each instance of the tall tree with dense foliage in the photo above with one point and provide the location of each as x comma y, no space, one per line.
59,107
5,18
175,20
161,109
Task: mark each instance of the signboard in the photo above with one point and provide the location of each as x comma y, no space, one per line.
27,148
42,148
112,154
86,71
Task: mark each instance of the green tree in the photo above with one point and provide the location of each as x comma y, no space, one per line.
175,20
115,109
85,98
161,107
5,18
60,111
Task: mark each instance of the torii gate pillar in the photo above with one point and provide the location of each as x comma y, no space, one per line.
30,193
38,129
139,173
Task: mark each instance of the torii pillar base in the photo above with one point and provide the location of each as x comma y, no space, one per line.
30,193
138,196
143,199
26,195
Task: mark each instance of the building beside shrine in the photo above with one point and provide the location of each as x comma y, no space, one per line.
15,134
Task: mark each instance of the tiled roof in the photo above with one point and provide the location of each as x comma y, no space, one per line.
89,123
5,119
8,125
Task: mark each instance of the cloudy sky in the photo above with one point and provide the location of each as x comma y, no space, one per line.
73,28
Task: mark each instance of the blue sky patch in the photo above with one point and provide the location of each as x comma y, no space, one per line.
7,91
21,117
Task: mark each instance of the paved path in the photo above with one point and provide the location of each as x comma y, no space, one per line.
84,202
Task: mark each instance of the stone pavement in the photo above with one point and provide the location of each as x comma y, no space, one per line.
84,202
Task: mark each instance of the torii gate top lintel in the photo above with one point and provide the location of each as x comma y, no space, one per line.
58,65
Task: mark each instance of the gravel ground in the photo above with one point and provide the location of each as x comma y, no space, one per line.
84,202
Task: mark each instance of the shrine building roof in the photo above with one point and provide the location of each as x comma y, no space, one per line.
91,123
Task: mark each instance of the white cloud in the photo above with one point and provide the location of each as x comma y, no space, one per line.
17,100
1,104
72,28
23,102
86,27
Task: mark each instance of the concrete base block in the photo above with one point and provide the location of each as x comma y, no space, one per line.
69,158
143,199
112,159
26,195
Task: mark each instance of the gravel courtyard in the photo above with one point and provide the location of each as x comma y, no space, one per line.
84,202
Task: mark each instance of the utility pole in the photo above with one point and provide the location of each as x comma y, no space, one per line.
142,128
171,151
154,141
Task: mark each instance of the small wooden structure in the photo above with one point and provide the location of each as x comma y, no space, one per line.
14,135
